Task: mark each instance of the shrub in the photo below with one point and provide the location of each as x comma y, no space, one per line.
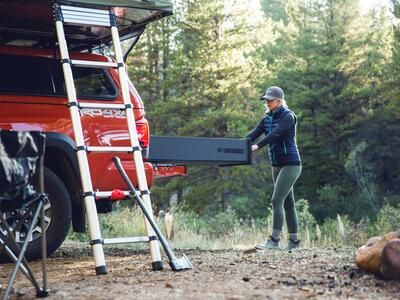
388,219
342,232
306,219
222,223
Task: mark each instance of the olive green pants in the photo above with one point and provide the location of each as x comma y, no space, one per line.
283,197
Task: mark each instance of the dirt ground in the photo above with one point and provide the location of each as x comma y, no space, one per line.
228,274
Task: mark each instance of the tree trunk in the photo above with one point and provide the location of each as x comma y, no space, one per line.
225,200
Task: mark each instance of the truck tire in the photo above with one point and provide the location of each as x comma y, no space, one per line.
58,219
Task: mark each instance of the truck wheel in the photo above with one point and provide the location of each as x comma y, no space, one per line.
57,220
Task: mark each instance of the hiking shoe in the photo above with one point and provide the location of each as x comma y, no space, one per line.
293,244
270,244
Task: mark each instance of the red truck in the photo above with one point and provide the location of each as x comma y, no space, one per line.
33,98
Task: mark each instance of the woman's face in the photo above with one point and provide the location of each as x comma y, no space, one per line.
271,104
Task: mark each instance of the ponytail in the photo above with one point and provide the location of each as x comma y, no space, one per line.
282,102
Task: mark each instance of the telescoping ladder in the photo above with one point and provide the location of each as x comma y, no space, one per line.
72,15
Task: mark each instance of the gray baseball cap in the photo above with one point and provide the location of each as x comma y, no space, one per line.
272,93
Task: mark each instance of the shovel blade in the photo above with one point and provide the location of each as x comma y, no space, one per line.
181,264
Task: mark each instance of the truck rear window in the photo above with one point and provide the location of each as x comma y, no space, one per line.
42,76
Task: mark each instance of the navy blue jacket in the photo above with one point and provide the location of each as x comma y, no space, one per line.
279,128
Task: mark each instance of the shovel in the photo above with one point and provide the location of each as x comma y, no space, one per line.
176,264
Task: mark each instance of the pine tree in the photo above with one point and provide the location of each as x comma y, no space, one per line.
330,71
206,87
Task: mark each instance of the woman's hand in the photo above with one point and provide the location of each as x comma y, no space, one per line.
254,147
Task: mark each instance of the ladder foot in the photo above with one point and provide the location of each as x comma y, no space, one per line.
157,265
102,270
42,293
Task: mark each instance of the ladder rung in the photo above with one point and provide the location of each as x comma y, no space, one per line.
109,149
80,15
93,64
101,105
108,194
84,9
138,239
79,21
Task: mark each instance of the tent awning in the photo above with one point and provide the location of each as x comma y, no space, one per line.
31,22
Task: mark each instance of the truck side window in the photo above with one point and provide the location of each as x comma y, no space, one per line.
92,83
25,75
44,76
89,82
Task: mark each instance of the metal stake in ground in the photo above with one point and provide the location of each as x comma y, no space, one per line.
176,264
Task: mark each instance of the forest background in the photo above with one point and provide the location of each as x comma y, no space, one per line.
201,73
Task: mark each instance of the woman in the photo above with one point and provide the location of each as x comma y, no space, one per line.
279,128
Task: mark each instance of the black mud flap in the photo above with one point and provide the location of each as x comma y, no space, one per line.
199,150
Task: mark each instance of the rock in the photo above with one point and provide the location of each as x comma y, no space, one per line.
249,251
390,262
368,257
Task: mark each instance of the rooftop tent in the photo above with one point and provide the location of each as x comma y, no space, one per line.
162,5
31,22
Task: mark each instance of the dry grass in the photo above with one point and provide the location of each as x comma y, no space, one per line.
193,232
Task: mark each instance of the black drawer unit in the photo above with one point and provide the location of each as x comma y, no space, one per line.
199,150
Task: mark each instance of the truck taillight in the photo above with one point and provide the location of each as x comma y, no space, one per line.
142,127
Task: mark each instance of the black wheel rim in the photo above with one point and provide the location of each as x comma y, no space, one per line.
19,221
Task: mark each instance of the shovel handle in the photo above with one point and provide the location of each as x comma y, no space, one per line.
139,201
